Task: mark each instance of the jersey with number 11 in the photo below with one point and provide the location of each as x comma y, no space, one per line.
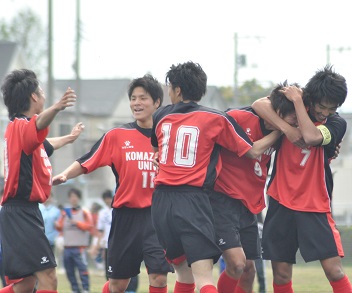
128,152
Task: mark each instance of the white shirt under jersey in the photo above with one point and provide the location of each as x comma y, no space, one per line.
104,224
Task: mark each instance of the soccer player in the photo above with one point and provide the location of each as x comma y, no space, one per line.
185,135
239,196
127,151
27,183
300,189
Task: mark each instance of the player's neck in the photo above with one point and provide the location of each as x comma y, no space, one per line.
145,124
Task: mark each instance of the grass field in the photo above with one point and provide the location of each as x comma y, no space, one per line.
306,278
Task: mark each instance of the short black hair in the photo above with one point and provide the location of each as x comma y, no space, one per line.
75,191
326,85
107,194
190,78
150,85
17,89
279,101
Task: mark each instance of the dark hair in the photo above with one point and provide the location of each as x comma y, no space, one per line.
76,192
17,89
326,85
279,101
190,78
107,194
150,85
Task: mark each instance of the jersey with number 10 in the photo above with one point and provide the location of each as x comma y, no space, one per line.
241,177
301,178
128,152
186,135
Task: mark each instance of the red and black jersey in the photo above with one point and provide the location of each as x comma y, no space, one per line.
28,172
301,178
241,177
188,136
128,152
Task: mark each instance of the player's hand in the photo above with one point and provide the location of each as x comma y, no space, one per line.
59,179
337,151
292,93
156,160
77,130
294,135
67,100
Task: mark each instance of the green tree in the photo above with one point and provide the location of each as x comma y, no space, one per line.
251,90
248,92
26,29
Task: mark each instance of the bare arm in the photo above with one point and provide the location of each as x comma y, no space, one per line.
47,116
311,134
265,110
73,171
261,145
60,141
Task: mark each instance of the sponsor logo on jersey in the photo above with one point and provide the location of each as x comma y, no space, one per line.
44,260
127,145
248,131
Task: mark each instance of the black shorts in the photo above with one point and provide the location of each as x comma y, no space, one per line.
235,225
183,219
285,231
25,248
132,239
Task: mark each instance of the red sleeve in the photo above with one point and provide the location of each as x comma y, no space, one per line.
87,224
31,137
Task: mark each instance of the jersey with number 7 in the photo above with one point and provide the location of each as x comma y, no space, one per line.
301,178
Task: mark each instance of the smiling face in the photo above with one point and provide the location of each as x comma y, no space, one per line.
143,107
323,110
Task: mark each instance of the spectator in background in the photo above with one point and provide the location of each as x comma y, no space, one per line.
51,213
95,251
76,224
103,227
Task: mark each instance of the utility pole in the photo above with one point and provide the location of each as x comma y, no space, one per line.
77,61
235,75
50,82
240,61
339,49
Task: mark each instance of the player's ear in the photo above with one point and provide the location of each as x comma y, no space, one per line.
34,97
157,103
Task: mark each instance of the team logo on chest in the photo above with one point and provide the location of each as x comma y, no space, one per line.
127,145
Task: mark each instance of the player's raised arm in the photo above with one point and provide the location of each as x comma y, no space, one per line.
46,117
